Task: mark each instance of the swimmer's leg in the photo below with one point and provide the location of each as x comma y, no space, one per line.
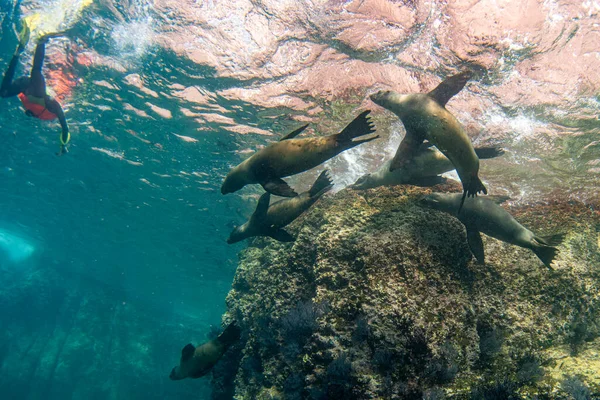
10,88
38,83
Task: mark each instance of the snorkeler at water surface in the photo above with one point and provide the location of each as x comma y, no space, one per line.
31,89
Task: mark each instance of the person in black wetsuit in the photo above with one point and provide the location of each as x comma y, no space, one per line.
31,90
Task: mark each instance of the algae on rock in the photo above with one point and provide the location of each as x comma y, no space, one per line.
380,298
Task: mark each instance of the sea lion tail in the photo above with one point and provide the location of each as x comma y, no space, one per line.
488,152
360,126
544,247
231,334
322,185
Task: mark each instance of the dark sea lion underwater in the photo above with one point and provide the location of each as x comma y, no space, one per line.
291,156
424,116
485,215
198,361
269,220
424,169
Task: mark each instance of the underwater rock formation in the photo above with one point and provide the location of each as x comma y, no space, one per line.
379,298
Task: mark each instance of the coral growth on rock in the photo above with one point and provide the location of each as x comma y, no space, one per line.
380,298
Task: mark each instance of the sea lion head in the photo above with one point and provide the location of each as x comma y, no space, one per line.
232,183
400,104
439,201
238,234
364,182
175,374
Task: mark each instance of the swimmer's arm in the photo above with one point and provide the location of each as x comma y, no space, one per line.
54,107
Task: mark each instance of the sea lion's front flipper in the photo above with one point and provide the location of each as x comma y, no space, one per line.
471,189
293,134
281,235
427,181
448,88
488,152
187,352
406,151
263,205
278,187
322,185
475,244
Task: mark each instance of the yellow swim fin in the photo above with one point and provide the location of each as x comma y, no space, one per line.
24,33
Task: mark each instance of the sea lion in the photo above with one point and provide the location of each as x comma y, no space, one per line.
269,220
197,361
423,170
485,215
291,156
425,117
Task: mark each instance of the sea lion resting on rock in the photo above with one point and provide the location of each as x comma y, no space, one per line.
423,170
269,221
425,117
198,361
485,215
291,156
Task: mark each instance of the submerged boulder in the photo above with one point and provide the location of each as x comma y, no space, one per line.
381,298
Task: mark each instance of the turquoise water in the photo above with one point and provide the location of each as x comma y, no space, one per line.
114,256
89,241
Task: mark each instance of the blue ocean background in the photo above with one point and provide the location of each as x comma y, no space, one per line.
108,268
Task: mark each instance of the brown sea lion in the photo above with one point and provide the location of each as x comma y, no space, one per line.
485,215
269,220
291,156
424,170
198,361
424,116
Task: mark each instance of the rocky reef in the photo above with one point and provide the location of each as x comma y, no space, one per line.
380,298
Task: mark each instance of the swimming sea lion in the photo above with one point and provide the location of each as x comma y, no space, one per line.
291,156
425,117
197,361
423,170
485,215
269,221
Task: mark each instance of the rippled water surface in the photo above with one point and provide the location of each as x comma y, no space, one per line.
163,97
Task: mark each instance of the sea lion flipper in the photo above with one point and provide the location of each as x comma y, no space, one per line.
450,87
293,134
280,235
231,334
475,244
546,253
551,240
543,247
474,187
322,185
278,187
406,151
488,152
360,126
187,352
262,206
